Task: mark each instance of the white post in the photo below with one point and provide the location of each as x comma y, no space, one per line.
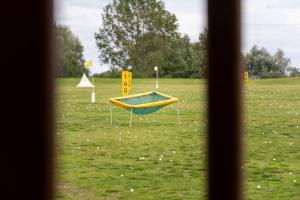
178,117
93,100
111,119
157,86
130,118
156,69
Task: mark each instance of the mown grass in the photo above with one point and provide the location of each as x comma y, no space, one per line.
97,161
273,139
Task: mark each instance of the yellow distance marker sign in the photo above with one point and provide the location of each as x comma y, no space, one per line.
129,81
126,82
246,78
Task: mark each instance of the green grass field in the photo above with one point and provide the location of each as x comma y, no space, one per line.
97,161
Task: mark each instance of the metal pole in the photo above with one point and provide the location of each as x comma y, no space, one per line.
111,119
178,117
130,117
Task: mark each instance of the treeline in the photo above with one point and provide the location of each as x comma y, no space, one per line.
188,60
141,34
182,59
259,62
262,64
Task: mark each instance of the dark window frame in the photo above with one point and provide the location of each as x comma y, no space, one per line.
26,44
224,99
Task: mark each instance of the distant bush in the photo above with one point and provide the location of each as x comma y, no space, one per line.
109,74
261,64
293,71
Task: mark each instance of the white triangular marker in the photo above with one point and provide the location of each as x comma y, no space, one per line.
85,82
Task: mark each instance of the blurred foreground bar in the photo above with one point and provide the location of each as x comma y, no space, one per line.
224,137
26,100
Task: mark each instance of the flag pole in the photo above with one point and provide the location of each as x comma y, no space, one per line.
87,65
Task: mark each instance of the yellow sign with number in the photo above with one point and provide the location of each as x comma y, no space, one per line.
246,78
126,82
129,80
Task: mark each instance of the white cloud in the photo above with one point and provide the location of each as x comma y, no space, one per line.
84,19
284,4
191,15
273,24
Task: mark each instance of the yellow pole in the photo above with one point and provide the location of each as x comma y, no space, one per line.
246,78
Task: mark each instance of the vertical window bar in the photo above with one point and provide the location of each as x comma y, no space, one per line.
224,88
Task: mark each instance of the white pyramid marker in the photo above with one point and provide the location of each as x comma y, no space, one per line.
85,82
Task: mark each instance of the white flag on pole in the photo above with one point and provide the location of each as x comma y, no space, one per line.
155,68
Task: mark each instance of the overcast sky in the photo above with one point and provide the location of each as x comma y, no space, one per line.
270,23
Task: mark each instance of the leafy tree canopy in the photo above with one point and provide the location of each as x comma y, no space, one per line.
261,64
135,32
69,53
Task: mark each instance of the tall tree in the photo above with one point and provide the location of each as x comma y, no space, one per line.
69,53
258,61
281,63
136,33
199,56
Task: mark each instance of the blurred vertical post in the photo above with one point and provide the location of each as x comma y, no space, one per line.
246,78
156,70
93,100
224,99
27,137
